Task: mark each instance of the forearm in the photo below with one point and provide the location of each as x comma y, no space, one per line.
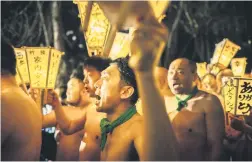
63,121
159,139
49,120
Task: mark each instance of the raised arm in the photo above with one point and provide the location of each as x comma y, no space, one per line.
215,126
67,125
49,120
158,139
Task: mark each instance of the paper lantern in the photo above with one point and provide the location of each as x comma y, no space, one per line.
103,37
238,66
38,66
201,69
224,52
237,93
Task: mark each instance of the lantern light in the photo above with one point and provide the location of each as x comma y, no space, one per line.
238,66
201,69
103,38
224,52
38,66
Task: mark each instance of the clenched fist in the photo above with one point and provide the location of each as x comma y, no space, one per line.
53,99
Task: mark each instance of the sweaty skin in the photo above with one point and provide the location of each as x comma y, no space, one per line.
21,123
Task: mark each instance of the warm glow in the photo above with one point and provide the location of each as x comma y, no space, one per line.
224,52
120,46
201,69
22,68
97,28
238,66
237,95
40,66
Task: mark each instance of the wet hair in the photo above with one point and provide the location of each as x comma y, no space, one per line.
98,63
78,72
128,76
8,58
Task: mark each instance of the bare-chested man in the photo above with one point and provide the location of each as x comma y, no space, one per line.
21,120
197,117
89,119
123,137
68,145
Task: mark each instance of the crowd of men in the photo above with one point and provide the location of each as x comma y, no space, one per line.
120,112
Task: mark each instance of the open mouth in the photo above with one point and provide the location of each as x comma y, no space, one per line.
176,85
86,89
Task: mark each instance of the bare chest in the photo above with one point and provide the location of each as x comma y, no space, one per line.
190,121
119,146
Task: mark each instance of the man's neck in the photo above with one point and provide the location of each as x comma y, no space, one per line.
7,81
118,111
185,94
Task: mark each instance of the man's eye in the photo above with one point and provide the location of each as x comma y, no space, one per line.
181,72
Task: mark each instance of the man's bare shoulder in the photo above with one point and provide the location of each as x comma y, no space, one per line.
211,102
16,97
136,123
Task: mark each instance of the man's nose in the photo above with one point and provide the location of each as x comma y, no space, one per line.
97,87
85,81
174,76
97,84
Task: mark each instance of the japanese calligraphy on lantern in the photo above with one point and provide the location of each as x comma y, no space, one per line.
22,66
244,97
238,66
224,52
230,95
238,96
55,57
38,59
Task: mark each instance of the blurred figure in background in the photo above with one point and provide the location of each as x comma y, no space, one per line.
89,118
77,100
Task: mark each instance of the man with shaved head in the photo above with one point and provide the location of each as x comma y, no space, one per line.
197,116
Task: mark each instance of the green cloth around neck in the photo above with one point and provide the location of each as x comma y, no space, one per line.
108,127
183,103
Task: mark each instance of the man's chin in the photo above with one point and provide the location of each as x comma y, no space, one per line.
99,109
176,91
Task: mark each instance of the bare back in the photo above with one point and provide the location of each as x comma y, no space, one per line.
120,145
21,125
193,123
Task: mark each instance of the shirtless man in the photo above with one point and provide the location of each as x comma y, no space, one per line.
21,118
68,145
197,122
123,129
89,119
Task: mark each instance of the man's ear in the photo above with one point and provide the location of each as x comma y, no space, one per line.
126,92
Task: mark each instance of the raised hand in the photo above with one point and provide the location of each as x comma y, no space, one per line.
33,93
147,45
53,99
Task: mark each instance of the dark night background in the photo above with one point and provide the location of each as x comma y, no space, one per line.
195,28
